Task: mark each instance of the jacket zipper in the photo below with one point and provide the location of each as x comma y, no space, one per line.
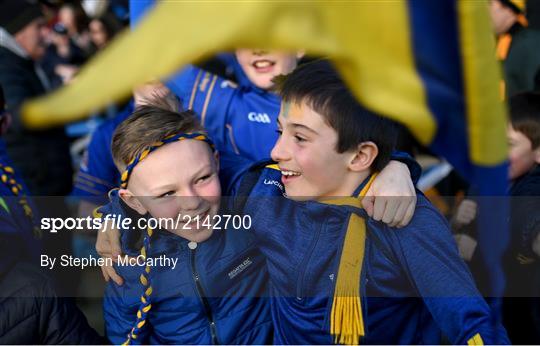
204,300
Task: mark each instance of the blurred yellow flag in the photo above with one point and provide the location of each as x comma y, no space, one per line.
376,45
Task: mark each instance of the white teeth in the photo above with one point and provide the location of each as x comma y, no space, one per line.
290,173
262,63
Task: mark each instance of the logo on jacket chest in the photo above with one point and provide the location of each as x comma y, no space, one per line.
240,268
259,117
275,183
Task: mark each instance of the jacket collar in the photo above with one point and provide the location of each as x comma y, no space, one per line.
8,41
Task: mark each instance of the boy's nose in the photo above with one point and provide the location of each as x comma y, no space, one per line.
259,52
279,152
189,200
190,203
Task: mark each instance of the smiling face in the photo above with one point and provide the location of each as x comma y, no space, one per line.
521,155
261,66
307,157
180,178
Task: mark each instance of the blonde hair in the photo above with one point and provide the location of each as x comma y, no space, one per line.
148,125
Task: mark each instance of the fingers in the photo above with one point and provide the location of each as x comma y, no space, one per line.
400,213
114,240
391,209
379,207
102,245
108,246
409,213
368,204
111,273
104,273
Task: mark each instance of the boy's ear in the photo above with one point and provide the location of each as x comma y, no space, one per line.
536,153
366,153
132,201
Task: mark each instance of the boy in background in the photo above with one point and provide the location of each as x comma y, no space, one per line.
522,260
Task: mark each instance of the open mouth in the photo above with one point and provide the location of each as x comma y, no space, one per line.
263,65
287,176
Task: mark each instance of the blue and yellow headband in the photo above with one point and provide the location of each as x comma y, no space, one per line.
169,139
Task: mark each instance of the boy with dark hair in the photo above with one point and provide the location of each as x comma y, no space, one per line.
209,287
354,281
522,262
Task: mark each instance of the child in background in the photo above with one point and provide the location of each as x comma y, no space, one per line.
522,305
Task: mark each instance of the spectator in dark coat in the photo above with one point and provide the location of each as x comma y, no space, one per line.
42,156
32,313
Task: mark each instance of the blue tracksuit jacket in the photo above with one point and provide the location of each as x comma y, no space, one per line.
414,286
217,293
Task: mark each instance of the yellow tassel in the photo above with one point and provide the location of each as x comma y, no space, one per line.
139,314
143,280
4,178
148,291
9,169
346,320
147,308
143,299
140,324
96,213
